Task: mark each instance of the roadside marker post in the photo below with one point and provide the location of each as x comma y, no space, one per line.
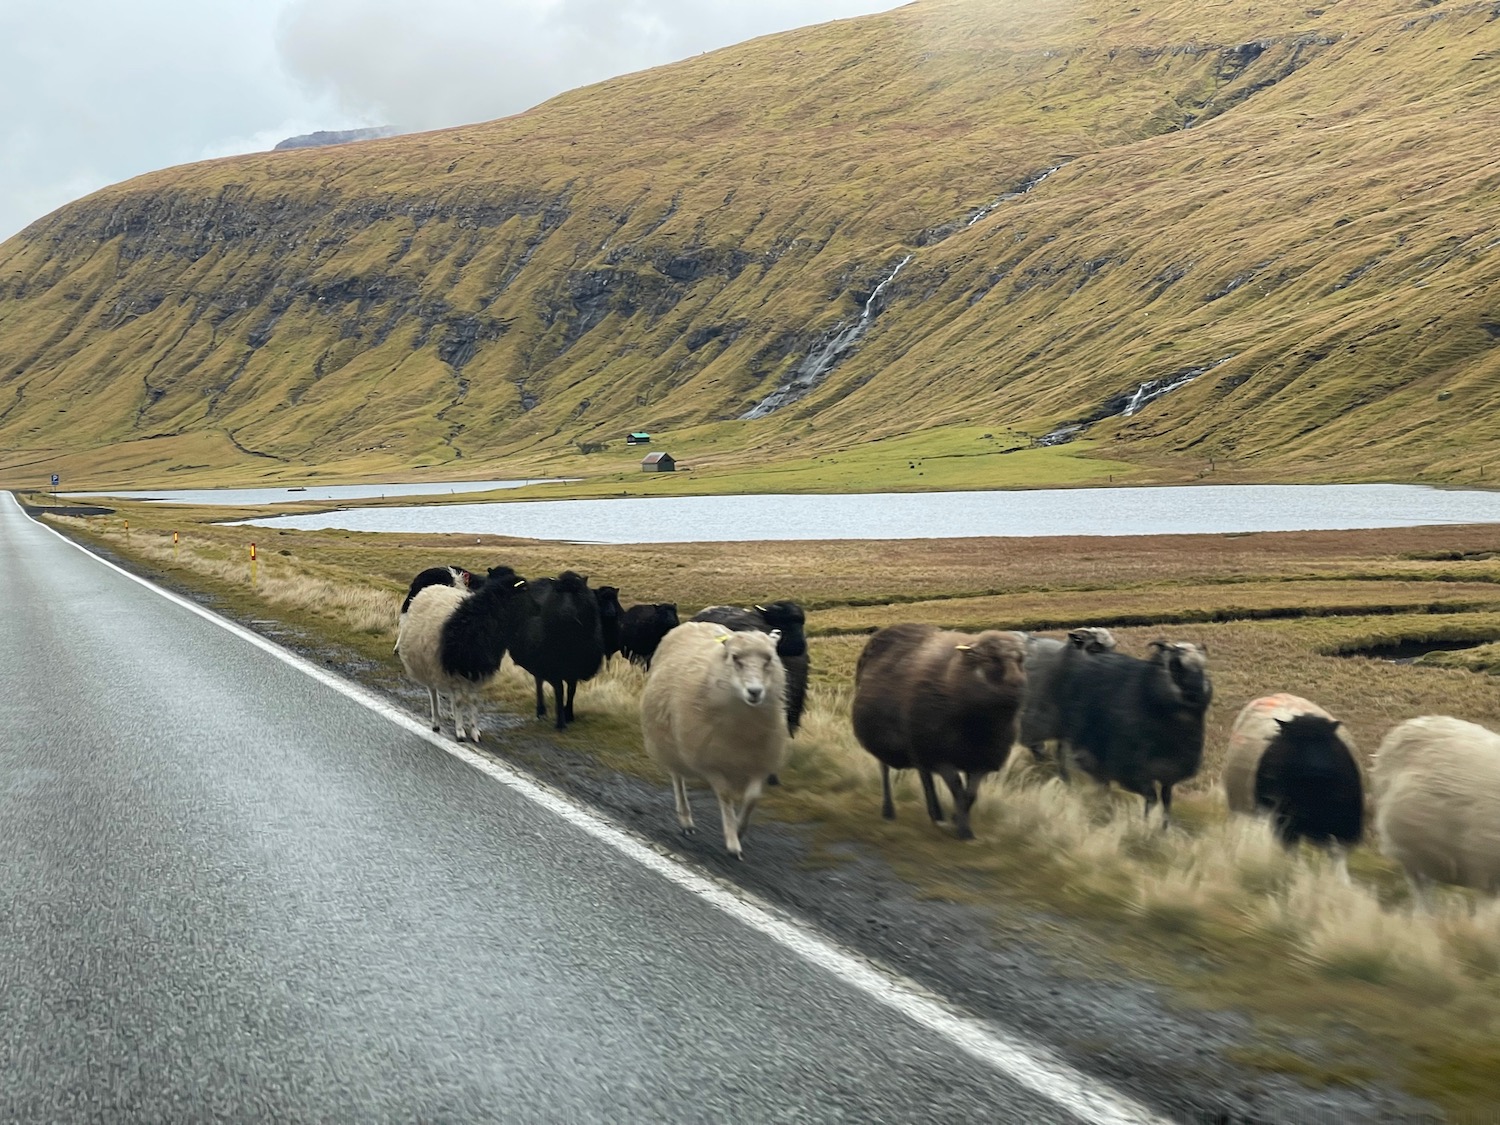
253,566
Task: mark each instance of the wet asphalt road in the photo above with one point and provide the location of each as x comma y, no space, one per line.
235,894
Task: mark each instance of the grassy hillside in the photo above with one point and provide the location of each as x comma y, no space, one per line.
1298,203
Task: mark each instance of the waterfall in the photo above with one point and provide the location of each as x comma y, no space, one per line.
820,361
1027,187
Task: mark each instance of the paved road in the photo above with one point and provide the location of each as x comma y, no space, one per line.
235,894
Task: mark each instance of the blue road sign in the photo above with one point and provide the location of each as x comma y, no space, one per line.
54,480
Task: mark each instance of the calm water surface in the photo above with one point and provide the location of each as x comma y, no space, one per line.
932,515
236,497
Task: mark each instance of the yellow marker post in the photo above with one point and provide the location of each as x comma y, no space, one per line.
253,566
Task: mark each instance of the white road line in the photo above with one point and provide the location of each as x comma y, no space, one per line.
1033,1066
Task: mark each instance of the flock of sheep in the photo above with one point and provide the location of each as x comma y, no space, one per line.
725,690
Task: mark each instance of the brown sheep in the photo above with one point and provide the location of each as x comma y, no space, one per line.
940,703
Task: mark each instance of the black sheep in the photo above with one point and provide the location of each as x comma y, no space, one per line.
642,628
610,613
1139,722
1311,784
555,635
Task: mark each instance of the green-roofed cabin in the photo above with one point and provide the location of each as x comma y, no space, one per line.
638,439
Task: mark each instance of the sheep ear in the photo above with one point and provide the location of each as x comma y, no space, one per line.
775,635
1160,646
722,637
760,609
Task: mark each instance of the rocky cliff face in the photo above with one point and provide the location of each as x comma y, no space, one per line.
324,137
1080,205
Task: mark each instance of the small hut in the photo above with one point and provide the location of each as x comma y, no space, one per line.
640,437
658,463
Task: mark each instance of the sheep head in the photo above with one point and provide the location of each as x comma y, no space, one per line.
751,667
997,658
1186,665
1092,639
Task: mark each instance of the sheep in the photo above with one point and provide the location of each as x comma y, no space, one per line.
555,635
455,576
1289,757
1048,667
1139,722
610,612
1437,803
453,642
711,709
939,702
641,629
789,619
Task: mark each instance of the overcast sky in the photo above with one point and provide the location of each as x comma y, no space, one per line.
96,91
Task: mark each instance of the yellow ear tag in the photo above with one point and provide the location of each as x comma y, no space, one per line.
963,648
721,639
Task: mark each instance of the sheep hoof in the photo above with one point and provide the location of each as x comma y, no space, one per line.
688,830
436,727
964,833
773,779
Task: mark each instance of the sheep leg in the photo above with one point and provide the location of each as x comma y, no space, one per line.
541,700
432,698
558,704
684,810
1064,753
887,806
929,791
1166,807
746,808
962,799
473,720
572,686
731,826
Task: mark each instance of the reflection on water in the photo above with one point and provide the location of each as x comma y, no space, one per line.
933,515
235,497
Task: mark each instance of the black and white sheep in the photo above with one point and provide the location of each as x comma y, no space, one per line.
556,636
1049,664
1139,722
455,576
453,642
1437,802
942,703
711,709
1290,758
642,629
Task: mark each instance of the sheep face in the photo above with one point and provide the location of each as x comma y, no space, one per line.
1187,666
996,658
666,616
1092,639
748,659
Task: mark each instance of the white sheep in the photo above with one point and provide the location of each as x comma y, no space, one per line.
1437,802
712,709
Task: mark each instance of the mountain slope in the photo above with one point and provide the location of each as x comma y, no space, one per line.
1296,205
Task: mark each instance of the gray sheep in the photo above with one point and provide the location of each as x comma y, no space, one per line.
1139,722
1049,664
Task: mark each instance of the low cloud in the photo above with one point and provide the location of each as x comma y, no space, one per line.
449,62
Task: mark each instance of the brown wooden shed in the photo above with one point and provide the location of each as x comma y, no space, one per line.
658,463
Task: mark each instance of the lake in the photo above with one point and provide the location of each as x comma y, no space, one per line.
1189,509
249,497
